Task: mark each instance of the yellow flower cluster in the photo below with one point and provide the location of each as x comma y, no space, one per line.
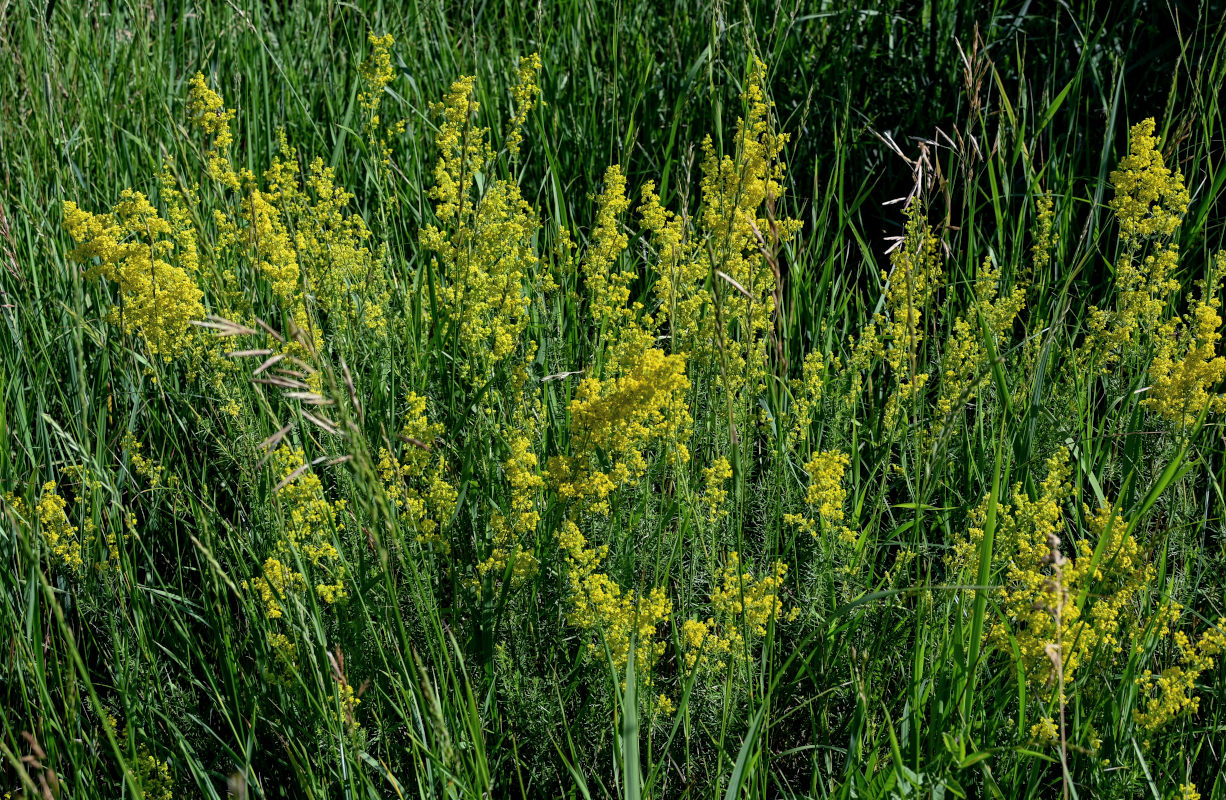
144,254
1172,692
69,545
1044,239
485,250
312,517
207,111
1045,732
524,93
733,191
619,418
714,501
1059,609
912,283
608,290
743,607
153,776
1186,365
599,605
277,583
310,522
348,701
964,357
376,74
525,483
679,288
729,247
328,256
144,467
296,234
1150,200
1149,205
807,396
416,482
825,497
58,533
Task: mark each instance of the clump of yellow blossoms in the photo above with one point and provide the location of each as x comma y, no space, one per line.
58,533
277,583
714,500
524,93
608,289
145,467
619,418
743,607
416,482
310,521
737,223
328,256
1149,204
1150,200
1045,732
377,73
807,396
1060,610
964,358
71,547
1187,365
346,700
514,528
1171,693
154,777
296,235
825,497
207,111
1044,239
599,605
1188,791
484,250
912,282
137,250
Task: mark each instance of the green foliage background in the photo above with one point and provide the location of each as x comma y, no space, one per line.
873,691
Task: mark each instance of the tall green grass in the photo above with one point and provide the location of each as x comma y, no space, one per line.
884,686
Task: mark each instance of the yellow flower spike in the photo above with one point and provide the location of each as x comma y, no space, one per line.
742,603
485,251
621,417
912,282
1149,203
1059,612
825,498
524,93
1187,365
714,500
207,111
1172,693
60,536
740,196
416,482
140,251
599,605
1150,199
964,358
1045,732
153,776
609,290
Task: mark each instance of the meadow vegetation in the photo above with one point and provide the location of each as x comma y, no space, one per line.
461,400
